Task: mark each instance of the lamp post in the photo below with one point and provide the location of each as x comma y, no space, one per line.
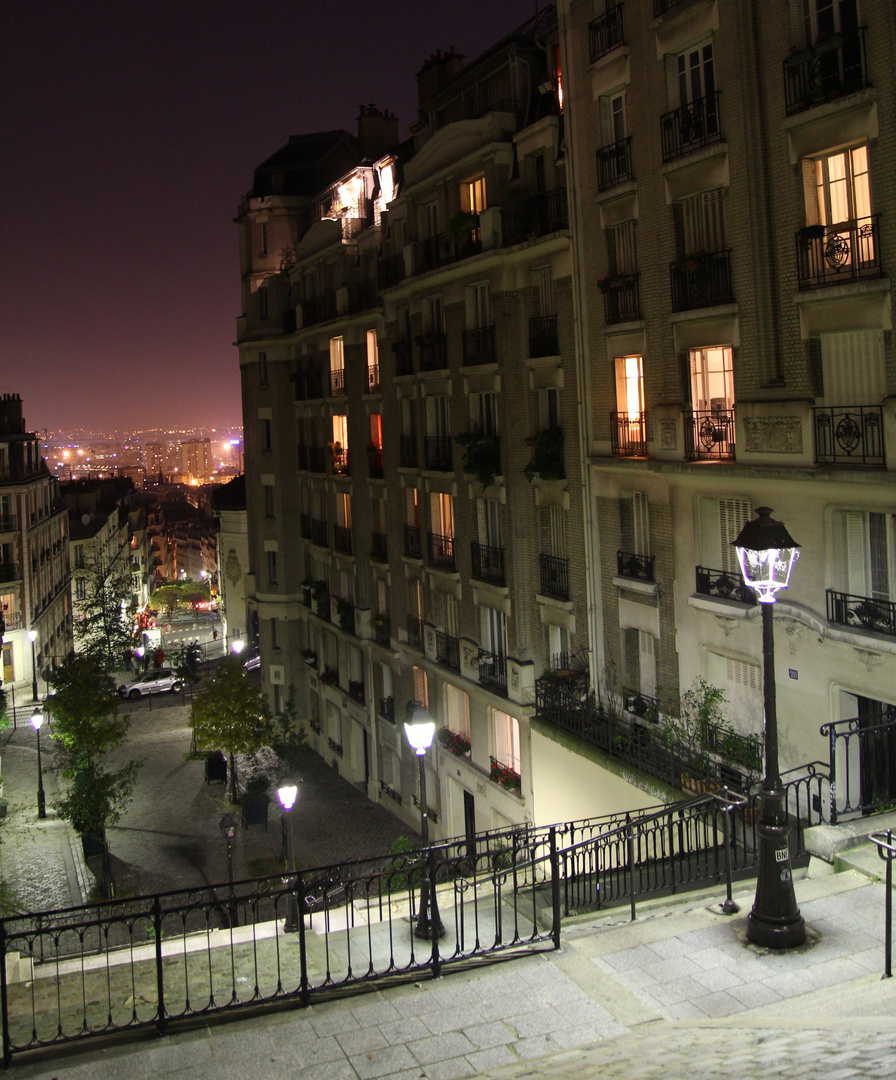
37,719
32,637
420,729
287,796
766,552
237,646
228,831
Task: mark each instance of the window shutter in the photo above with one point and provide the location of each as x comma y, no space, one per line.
853,367
855,553
641,523
733,515
632,658
647,663
619,364
810,193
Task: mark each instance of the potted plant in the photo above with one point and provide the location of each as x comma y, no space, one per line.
546,462
454,742
346,612
480,455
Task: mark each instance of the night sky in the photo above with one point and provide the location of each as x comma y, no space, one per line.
132,130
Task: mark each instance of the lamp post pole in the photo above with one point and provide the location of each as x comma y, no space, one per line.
32,637
767,552
228,829
287,796
37,720
420,729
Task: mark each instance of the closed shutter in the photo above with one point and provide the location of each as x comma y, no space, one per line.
855,553
552,526
640,521
853,368
540,280
810,191
647,663
733,515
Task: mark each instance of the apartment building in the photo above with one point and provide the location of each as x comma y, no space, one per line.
35,597
733,170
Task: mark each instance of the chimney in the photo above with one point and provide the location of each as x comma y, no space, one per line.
11,420
437,72
377,131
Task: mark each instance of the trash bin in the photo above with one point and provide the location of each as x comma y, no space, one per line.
215,767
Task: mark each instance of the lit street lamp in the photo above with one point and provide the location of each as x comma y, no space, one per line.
32,637
287,796
420,729
766,552
37,719
228,831
237,646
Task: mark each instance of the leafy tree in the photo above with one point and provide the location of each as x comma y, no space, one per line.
188,665
103,618
287,735
231,714
167,596
194,592
86,728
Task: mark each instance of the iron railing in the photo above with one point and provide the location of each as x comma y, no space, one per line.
830,68
834,254
320,310
622,301
488,563
375,462
337,382
863,612
847,434
363,295
415,631
700,281
7,522
404,356
413,542
628,434
728,585
605,32
544,213
437,453
433,350
340,460
614,164
382,630
631,565
9,571
554,576
493,671
407,451
319,533
708,433
444,249
386,707
441,551
505,775
447,650
317,458
479,345
543,339
390,270
379,548
342,539
373,378
643,706
862,765
690,126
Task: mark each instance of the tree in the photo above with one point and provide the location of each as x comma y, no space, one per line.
167,596
86,728
103,617
231,714
194,592
188,665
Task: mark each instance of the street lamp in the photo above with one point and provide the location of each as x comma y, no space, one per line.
238,646
287,796
37,719
420,729
32,637
766,552
228,831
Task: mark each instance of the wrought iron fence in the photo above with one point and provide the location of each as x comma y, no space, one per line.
479,345
319,532
342,539
407,451
441,551
545,212
415,631
444,249
849,434
631,565
701,281
862,764
488,563
621,298
708,433
413,543
447,650
390,270
833,254
337,382
493,671
728,585
554,576
437,453
628,434
614,164
605,32
433,351
379,548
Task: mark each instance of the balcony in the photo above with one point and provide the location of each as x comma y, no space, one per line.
441,552
9,571
305,526
543,336
319,533
317,459
382,630
634,566
723,584
363,296
837,254
433,351
482,455
605,32
544,212
404,356
554,576
849,435
302,457
337,383
356,690
690,126
437,453
386,708
628,434
308,384
455,742
7,522
408,457
415,631
373,378
390,271
342,539
479,345
493,671
413,542
660,7
708,434
375,461
447,651
546,462
378,547
488,563
320,310
621,298
614,164
345,614
700,281
505,776
444,248
340,459
831,68
862,612
641,705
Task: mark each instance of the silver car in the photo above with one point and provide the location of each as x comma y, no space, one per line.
159,681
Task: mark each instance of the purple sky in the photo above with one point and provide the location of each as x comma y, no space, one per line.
131,132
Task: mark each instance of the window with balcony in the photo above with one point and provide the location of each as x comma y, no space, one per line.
849,426
375,445
719,572
408,456
695,120
438,434
479,335
832,63
554,563
507,741
864,577
709,426
342,532
701,275
337,366
633,560
640,672
543,325
413,544
339,444
441,538
432,342
488,550
457,714
628,424
373,363
472,196
493,649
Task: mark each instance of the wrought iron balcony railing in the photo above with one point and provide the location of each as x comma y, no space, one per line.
433,351
543,336
862,612
614,164
690,126
373,378
849,435
375,462
320,310
831,68
641,705
363,295
488,563
379,549
356,690
382,630
305,526
622,301
340,460
9,571
505,775
493,671
386,707
605,32
7,522
390,270
479,345
628,434
441,552
631,565
342,539
544,212
554,576
727,585
447,650
708,434
437,453
701,281
319,532
444,249
404,356
317,458
415,631
660,7
408,457
337,382
413,542
834,254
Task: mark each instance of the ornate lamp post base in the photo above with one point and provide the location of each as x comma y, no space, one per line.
775,921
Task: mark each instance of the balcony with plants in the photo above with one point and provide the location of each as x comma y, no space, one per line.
454,742
340,458
505,776
345,613
546,462
482,455
831,68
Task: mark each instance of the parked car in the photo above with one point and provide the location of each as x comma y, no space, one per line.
253,659
160,681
